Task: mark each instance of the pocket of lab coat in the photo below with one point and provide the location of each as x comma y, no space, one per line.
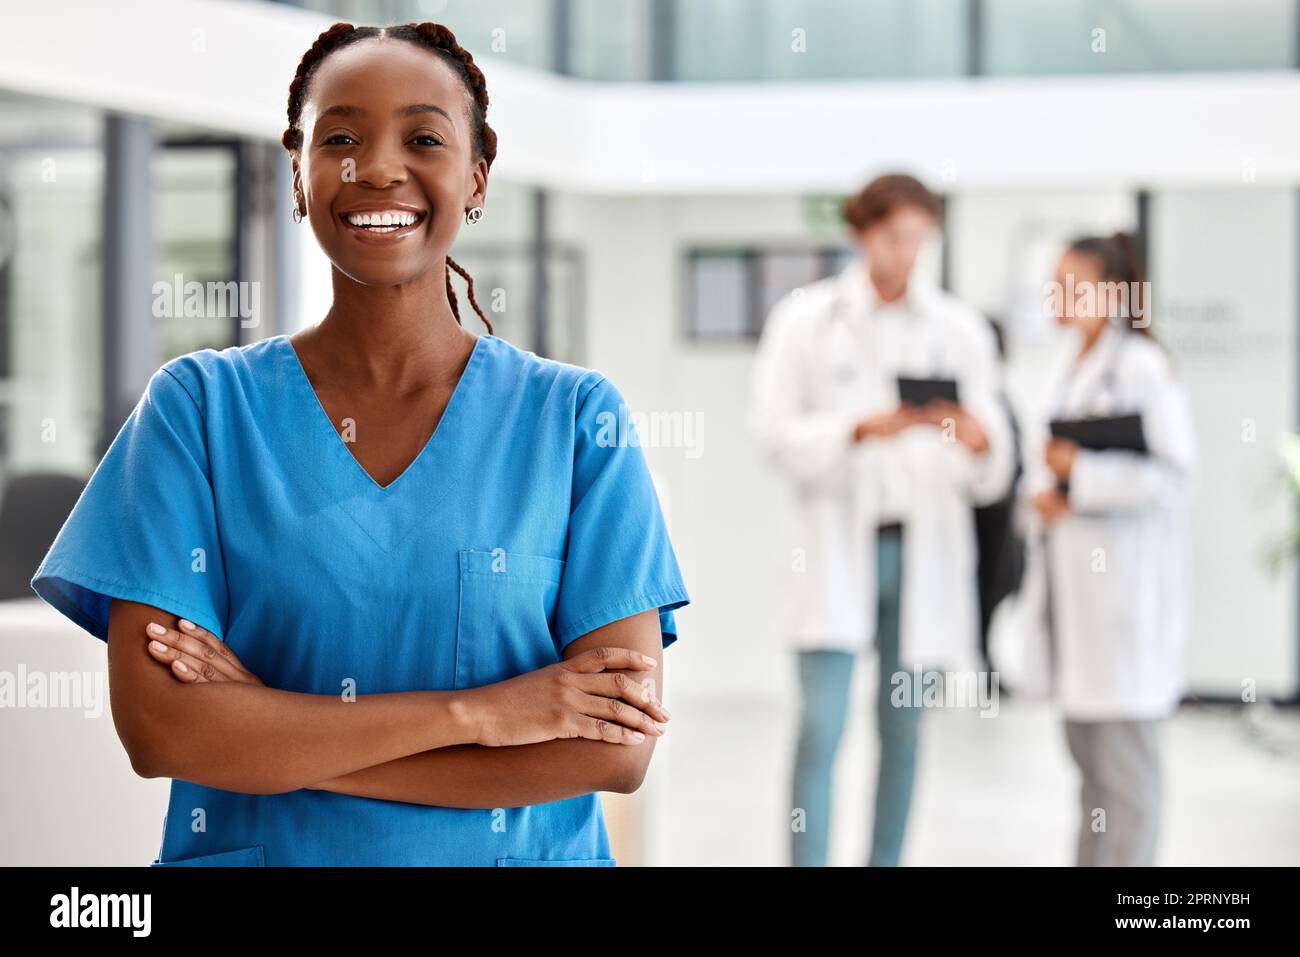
506,615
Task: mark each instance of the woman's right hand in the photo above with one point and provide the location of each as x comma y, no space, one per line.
1051,506
580,697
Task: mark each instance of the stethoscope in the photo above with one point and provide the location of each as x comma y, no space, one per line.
1106,384
846,369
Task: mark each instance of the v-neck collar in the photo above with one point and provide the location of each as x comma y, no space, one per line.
446,422
1086,375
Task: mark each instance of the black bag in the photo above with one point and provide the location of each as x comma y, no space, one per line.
1000,549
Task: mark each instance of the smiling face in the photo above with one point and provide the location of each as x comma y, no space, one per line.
387,132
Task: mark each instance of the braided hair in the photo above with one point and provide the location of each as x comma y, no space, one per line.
432,36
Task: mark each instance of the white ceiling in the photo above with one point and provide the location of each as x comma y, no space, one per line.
226,66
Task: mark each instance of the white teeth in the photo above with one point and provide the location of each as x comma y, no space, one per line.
382,222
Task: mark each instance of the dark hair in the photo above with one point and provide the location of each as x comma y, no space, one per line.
884,194
1120,260
434,37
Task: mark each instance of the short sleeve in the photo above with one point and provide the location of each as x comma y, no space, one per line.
144,528
619,560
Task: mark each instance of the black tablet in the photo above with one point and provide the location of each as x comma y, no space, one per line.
921,391
1103,432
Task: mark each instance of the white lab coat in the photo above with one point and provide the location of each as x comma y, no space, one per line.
1116,565
821,367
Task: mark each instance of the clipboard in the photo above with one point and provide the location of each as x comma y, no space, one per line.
1099,433
920,391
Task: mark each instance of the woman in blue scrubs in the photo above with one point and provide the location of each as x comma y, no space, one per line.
408,586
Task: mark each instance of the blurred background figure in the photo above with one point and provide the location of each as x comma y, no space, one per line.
1106,588
885,490
668,171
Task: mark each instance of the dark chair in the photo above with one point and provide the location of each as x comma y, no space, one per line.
33,508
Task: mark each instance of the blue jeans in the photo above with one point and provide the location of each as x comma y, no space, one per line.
825,679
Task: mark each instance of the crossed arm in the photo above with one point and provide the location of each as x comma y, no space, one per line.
416,747
470,775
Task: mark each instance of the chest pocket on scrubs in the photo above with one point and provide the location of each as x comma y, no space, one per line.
244,857
506,616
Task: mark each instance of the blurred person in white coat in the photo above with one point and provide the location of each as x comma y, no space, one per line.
887,550
1101,622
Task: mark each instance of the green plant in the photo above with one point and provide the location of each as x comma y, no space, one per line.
1289,547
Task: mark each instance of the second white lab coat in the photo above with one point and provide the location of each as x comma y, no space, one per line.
1113,573
819,370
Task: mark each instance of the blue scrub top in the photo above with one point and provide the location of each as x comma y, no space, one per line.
229,498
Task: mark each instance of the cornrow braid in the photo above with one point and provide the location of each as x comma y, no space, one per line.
432,36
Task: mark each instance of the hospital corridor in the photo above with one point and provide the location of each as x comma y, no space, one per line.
782,434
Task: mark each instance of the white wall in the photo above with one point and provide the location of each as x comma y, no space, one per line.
726,512
1224,281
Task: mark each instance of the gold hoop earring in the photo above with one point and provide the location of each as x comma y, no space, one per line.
472,216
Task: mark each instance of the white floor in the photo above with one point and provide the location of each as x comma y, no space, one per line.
989,791
997,791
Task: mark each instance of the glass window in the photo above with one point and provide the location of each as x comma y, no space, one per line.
1115,36
51,212
818,39
505,287
499,253
731,291
611,39
779,272
520,31
194,217
739,40
719,296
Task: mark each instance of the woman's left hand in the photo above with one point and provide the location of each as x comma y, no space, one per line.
1059,457
194,654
